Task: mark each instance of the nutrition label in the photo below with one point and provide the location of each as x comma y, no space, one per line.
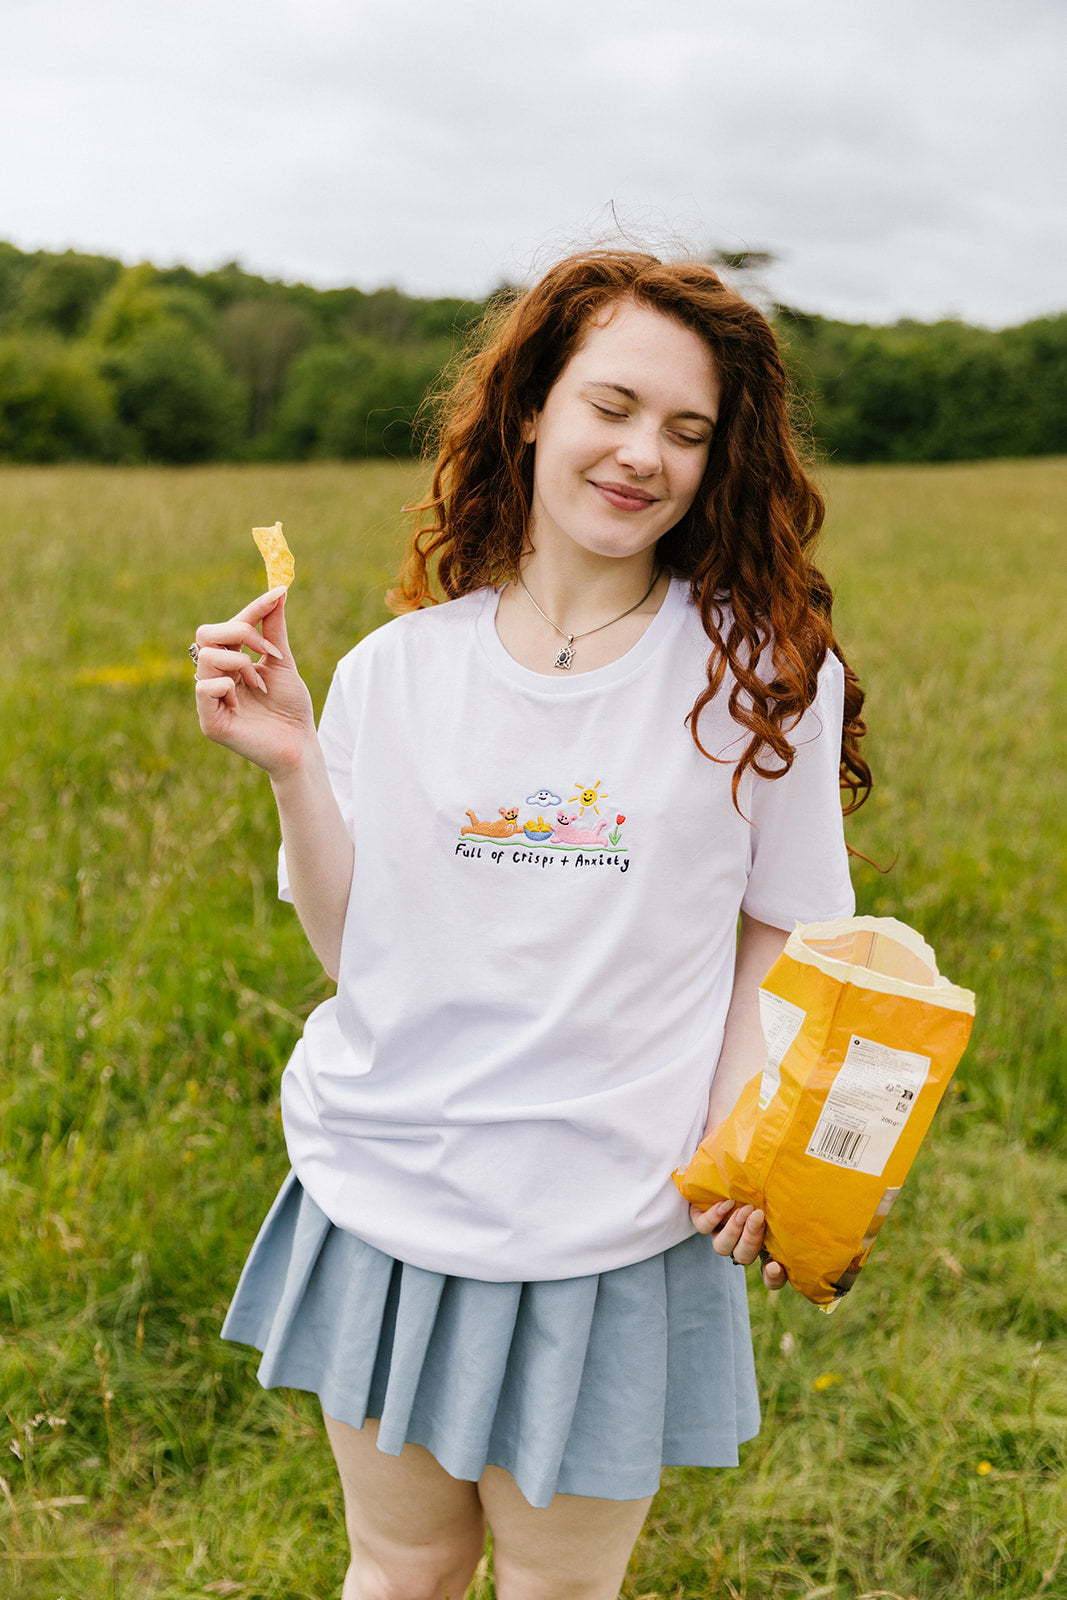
870,1100
781,1021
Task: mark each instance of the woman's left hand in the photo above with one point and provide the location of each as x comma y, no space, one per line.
737,1231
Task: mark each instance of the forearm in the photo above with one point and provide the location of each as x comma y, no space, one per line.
318,853
744,1049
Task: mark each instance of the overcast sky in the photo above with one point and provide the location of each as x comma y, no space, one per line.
899,157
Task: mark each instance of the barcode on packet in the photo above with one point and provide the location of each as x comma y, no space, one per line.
843,1145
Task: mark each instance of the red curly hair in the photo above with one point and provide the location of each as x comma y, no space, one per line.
743,544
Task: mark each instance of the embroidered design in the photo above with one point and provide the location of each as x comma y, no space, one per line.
565,844
589,796
566,833
495,830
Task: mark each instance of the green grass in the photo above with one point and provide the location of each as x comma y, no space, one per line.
914,1444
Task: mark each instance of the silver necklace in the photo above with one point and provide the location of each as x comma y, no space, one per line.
565,658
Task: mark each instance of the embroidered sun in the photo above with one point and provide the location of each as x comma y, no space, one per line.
589,797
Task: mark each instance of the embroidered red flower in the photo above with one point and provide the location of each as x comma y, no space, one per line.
619,821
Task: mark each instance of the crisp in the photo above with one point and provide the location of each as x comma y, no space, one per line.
277,555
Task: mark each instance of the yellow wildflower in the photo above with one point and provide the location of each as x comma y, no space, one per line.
131,674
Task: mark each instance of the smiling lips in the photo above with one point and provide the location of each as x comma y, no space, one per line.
625,496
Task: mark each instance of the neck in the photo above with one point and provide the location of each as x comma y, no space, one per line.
579,594
606,612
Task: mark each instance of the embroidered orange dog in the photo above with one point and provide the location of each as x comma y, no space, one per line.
496,830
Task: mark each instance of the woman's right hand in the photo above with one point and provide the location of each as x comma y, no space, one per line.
261,709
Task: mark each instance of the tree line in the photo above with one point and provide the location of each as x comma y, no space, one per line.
105,362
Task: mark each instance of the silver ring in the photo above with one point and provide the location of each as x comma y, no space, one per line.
194,651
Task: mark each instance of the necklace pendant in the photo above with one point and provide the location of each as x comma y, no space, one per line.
565,657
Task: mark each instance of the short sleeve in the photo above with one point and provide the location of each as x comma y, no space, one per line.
337,739
799,862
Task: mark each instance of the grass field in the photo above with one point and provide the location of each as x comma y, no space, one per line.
915,1444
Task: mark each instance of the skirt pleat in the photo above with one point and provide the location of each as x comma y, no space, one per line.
583,1386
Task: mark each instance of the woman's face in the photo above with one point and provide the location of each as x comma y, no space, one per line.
621,443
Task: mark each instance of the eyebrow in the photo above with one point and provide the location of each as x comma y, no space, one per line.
632,394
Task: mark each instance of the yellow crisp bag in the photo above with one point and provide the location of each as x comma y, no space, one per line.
863,1035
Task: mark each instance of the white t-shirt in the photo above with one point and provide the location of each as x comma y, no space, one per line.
539,947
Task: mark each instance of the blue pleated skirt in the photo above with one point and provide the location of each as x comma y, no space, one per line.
583,1386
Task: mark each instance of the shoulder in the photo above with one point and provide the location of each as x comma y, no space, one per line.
831,675
422,633
720,614
692,626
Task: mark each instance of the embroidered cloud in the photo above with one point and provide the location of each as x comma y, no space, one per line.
543,798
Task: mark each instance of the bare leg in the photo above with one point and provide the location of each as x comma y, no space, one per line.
415,1532
575,1549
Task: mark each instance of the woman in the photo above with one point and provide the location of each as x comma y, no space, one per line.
523,840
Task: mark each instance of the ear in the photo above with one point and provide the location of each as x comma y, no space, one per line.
529,429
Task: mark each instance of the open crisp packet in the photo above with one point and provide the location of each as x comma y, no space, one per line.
863,1036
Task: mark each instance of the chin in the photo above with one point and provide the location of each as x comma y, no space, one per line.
618,544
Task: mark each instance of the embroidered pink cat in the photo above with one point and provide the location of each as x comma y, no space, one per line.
565,832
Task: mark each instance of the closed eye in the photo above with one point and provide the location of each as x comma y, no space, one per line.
620,416
612,401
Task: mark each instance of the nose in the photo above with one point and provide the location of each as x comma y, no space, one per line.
640,451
